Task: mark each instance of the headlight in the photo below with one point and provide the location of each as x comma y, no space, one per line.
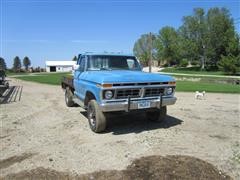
108,94
169,91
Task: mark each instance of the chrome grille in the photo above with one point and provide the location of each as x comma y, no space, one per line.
124,93
140,84
149,92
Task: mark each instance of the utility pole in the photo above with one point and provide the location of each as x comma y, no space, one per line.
150,52
203,58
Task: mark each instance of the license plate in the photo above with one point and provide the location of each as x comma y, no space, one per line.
143,104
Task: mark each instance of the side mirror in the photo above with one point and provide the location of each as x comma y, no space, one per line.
76,67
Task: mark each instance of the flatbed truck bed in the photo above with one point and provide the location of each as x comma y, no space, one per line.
67,81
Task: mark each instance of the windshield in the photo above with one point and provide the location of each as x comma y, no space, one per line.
101,62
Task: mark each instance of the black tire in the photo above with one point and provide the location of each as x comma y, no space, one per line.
7,85
69,97
157,115
96,118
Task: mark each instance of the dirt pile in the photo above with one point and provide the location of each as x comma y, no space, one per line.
152,167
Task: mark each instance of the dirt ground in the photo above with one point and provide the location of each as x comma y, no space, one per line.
41,137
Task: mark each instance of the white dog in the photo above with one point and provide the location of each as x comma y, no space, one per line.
200,95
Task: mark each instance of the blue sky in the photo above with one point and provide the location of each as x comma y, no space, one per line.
59,29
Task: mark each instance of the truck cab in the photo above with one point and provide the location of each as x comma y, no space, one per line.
104,83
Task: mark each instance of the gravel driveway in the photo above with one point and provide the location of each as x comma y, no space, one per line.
38,130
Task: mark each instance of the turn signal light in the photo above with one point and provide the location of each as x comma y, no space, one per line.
106,85
172,83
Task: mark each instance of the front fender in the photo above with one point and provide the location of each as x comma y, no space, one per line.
94,89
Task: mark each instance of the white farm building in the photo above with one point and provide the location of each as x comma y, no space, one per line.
59,66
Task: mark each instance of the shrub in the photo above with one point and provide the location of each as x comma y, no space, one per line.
165,65
183,63
194,63
230,64
211,68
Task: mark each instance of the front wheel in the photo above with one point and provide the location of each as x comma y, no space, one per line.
96,118
157,115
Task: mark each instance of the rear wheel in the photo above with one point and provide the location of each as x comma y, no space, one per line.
7,85
157,115
69,97
96,118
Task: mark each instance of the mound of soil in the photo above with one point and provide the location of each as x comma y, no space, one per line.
152,167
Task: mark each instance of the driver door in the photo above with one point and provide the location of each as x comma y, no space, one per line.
78,83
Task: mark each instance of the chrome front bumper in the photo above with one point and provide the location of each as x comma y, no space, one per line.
132,104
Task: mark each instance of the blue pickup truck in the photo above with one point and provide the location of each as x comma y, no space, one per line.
108,83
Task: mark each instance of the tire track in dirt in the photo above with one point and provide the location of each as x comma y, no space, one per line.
5,163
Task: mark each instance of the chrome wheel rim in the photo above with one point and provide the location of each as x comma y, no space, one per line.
92,116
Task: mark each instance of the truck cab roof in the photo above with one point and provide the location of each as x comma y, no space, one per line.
106,54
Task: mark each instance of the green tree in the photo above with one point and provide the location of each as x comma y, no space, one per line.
17,64
184,63
234,45
3,65
222,38
188,50
208,36
230,64
167,45
142,46
26,62
74,58
193,36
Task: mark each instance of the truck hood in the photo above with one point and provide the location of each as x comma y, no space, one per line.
125,76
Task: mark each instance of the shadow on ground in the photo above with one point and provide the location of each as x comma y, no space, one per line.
151,167
135,122
11,94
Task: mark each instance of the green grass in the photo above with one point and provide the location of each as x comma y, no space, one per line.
189,86
191,70
13,73
200,76
204,84
46,78
209,84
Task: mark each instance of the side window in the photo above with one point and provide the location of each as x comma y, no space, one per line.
131,64
79,59
82,64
